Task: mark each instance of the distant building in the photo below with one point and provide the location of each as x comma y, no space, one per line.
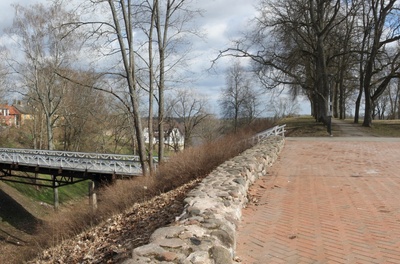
14,115
173,138
9,115
146,136
25,112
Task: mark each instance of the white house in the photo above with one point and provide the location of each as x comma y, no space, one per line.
147,136
173,138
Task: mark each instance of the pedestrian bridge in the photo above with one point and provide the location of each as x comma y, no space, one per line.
30,166
64,167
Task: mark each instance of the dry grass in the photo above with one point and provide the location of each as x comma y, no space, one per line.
379,128
304,126
193,163
385,128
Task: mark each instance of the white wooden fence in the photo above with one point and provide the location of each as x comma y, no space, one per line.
274,131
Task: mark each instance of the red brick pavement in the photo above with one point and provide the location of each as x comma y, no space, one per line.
325,201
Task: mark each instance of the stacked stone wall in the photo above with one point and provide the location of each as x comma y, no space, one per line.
206,231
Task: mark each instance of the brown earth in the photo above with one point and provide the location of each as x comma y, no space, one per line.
18,217
109,242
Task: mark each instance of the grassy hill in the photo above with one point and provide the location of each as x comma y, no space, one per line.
45,194
22,208
305,126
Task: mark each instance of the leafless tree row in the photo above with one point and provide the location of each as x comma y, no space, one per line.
85,72
344,53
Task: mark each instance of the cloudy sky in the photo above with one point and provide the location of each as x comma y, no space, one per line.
223,20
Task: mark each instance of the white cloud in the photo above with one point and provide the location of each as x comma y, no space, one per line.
7,11
222,21
6,14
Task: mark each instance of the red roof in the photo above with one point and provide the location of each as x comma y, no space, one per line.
14,111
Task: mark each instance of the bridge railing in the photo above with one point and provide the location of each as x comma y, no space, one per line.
75,161
274,131
72,154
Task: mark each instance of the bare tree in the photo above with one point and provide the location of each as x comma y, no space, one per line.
382,29
283,107
191,108
140,37
381,107
394,99
171,26
4,71
82,113
289,44
344,57
46,48
239,98
115,38
209,129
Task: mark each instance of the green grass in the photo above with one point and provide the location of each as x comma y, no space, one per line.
46,194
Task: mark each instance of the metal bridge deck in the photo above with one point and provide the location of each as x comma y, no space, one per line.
65,167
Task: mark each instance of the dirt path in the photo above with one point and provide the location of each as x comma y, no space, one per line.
349,129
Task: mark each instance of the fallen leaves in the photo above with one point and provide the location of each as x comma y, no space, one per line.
113,240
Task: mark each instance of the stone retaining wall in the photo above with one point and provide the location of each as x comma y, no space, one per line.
205,233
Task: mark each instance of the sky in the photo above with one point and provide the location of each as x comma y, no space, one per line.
222,21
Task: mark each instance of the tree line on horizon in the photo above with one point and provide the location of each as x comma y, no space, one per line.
95,74
342,55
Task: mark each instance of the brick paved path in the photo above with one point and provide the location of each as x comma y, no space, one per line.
326,201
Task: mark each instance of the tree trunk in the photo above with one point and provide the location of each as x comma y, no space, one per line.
342,101
322,82
127,54
368,108
335,102
50,134
342,92
357,109
162,40
151,89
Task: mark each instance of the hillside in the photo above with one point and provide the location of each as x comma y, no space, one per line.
127,212
112,240
23,213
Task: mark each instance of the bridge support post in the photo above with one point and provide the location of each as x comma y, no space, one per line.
92,195
55,193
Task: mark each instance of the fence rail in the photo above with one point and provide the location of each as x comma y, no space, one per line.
274,131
